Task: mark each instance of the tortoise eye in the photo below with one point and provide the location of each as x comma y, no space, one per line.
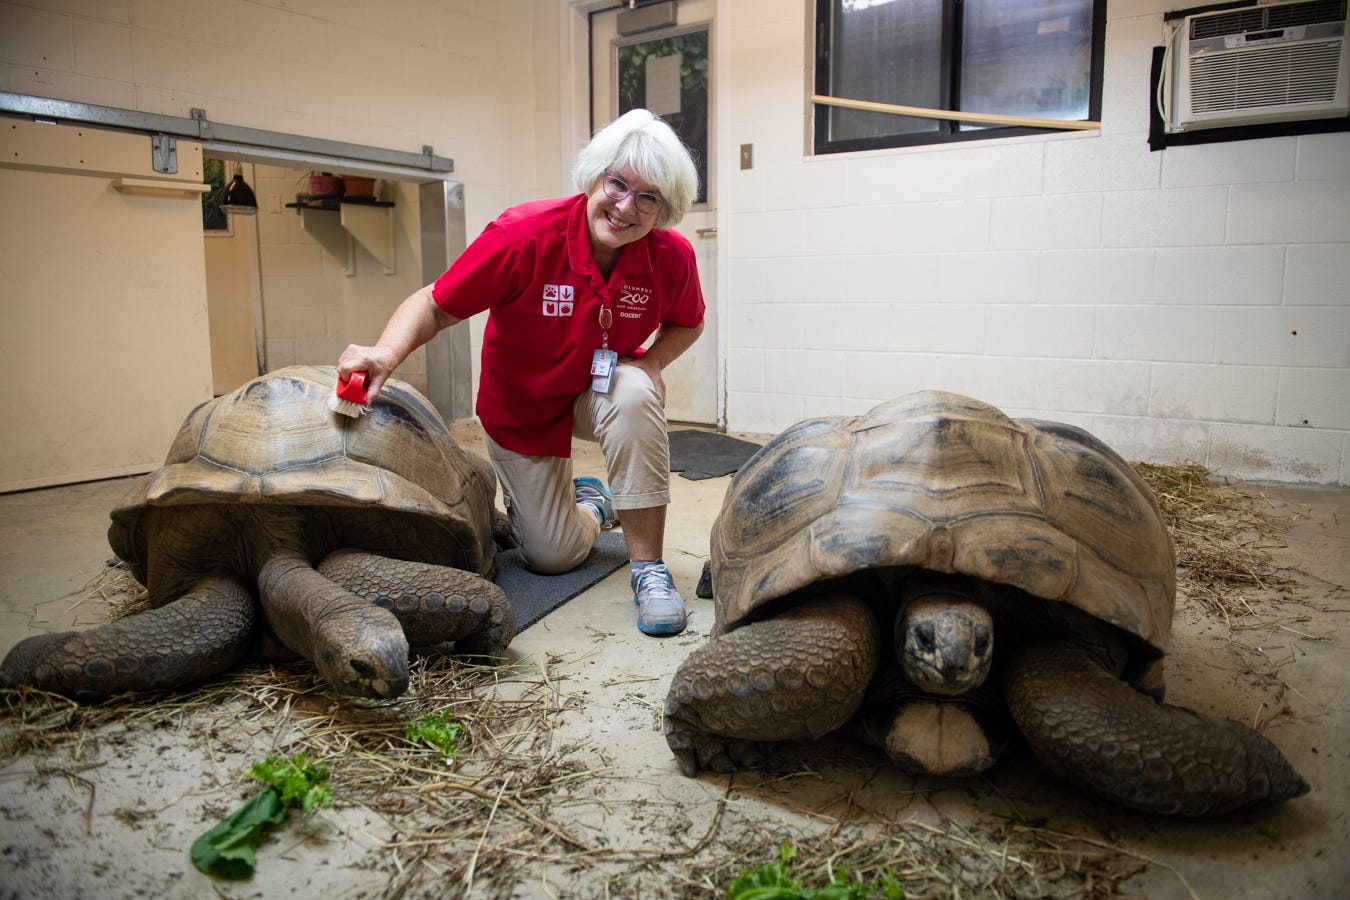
923,636
982,640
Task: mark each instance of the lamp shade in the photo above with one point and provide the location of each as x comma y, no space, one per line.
239,196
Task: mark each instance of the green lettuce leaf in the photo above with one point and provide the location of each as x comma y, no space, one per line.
227,851
438,730
297,779
773,881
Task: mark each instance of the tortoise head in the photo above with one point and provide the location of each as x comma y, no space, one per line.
944,635
376,667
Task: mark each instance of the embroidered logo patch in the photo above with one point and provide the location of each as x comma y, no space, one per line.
558,299
634,296
632,301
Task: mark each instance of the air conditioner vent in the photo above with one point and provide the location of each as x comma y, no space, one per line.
1239,22
1268,76
1287,14
1266,18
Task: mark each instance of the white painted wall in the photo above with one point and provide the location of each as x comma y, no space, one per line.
1189,305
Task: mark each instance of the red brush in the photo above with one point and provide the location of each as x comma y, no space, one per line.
350,399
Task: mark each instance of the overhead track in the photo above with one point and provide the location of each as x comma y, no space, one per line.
233,141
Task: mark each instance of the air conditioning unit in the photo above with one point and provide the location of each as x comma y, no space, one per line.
1267,62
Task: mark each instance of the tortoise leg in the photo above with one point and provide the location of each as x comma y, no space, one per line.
504,531
704,589
433,603
205,632
796,676
357,647
1099,732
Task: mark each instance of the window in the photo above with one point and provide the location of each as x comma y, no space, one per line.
684,102
1023,59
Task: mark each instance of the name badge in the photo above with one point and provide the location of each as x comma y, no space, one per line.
603,363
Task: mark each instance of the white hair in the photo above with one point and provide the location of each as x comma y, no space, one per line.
643,141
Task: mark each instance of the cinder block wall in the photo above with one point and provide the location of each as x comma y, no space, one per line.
312,307
1188,305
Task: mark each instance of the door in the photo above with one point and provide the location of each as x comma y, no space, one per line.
669,71
103,323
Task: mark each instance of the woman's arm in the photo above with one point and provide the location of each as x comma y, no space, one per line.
416,321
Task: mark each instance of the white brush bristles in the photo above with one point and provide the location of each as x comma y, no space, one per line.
345,407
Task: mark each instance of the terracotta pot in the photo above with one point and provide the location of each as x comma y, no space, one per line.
358,186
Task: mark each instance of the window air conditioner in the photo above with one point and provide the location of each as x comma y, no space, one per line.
1267,62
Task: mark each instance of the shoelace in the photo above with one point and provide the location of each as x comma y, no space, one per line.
657,589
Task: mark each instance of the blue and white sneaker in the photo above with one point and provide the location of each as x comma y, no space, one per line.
592,491
660,606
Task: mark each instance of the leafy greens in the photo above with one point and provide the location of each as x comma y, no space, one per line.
229,849
773,881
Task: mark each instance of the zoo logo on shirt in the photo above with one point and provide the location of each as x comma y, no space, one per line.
632,300
558,300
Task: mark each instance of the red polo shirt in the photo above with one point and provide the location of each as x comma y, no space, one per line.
533,271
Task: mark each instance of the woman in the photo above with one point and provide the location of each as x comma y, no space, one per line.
573,287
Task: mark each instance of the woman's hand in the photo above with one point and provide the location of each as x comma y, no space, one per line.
376,363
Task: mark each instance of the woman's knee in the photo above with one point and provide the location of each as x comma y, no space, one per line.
554,558
635,397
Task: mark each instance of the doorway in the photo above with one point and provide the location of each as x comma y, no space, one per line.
295,282
670,71
233,284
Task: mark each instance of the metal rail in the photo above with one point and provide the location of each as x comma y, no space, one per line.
216,134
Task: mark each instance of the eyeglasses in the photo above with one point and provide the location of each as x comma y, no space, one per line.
616,188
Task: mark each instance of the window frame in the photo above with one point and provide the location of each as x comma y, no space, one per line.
948,130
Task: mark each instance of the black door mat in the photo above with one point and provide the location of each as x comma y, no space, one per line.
697,455
534,596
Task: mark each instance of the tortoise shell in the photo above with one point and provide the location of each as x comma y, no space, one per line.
394,475
950,484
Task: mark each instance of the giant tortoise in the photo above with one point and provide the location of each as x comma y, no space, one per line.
278,527
936,577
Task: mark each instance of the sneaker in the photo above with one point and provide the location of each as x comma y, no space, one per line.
592,491
660,606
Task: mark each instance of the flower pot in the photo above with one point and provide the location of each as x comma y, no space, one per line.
325,186
358,186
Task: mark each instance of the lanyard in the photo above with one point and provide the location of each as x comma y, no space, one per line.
606,320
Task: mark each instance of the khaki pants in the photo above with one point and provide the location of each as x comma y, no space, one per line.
629,424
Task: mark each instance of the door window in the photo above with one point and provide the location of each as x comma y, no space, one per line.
669,76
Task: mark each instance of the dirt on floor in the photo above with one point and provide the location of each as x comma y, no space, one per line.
563,785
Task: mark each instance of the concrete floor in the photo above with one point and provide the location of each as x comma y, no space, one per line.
114,816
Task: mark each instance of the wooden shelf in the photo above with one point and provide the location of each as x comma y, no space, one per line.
158,186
